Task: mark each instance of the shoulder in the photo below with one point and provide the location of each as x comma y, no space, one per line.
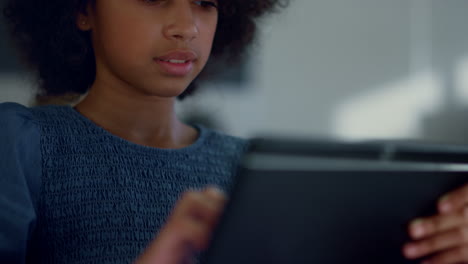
21,178
229,141
14,111
19,138
20,153
20,132
16,120
224,144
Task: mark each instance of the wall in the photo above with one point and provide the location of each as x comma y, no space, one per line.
347,69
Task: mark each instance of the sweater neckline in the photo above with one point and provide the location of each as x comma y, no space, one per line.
202,134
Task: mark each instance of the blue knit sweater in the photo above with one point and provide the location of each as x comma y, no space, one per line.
71,192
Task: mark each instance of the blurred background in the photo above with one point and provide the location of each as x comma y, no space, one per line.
361,69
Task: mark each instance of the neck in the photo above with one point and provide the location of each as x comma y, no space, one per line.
141,119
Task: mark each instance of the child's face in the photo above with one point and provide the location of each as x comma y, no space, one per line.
134,39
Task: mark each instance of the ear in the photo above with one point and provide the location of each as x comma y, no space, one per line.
82,22
83,19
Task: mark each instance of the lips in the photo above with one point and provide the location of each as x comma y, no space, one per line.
177,63
179,56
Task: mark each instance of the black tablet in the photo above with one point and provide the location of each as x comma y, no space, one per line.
332,202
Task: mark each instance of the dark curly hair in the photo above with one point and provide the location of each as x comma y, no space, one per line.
50,43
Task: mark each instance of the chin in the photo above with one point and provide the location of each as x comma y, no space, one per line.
164,88
167,92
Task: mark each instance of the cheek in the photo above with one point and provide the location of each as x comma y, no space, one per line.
212,27
126,38
209,30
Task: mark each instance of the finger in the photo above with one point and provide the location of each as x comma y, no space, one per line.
215,194
426,227
188,229
205,207
176,243
452,256
192,235
199,208
217,198
454,200
436,243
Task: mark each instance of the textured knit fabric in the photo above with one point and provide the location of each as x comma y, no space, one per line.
71,192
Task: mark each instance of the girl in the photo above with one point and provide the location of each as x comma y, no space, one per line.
95,183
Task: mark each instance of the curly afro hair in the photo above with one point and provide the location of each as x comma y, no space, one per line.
50,43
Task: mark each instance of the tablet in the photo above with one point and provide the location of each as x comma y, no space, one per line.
332,202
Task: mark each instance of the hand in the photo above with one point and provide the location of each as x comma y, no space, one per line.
188,229
443,237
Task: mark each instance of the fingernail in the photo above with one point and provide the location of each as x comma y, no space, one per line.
444,204
216,191
445,207
418,231
411,251
417,228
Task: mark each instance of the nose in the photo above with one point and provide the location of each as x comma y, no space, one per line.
181,23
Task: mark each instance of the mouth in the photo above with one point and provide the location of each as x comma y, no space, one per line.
180,62
179,56
177,63
176,68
